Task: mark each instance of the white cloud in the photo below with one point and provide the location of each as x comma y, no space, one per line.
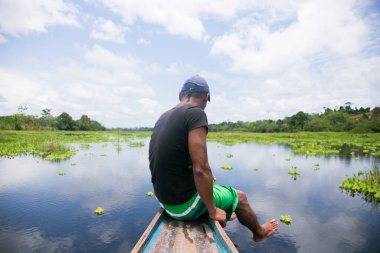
108,87
2,39
317,59
21,17
107,30
144,42
320,27
176,17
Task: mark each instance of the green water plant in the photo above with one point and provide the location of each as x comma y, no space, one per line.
61,173
136,144
226,167
54,145
118,147
73,164
308,143
149,194
229,155
366,183
85,146
294,171
287,219
287,159
99,211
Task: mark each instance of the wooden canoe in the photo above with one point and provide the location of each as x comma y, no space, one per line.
165,234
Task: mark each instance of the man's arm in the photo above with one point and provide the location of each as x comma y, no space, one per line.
202,173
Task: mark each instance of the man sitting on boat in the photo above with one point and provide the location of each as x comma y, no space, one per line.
181,175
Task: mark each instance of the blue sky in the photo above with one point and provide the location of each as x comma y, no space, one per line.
123,62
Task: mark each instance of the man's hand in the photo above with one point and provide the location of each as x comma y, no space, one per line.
219,215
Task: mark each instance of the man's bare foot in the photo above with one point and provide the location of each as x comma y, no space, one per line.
233,216
267,230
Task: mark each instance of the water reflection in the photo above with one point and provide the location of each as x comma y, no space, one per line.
44,212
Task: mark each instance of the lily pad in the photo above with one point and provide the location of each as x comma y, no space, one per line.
149,194
287,219
226,167
99,211
229,155
61,173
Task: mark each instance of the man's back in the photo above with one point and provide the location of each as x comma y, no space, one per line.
170,164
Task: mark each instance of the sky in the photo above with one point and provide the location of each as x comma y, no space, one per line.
123,62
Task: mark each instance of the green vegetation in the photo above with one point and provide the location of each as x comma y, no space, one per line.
52,145
366,183
229,155
99,211
287,219
294,171
342,119
226,167
47,121
308,143
149,194
85,146
136,144
61,173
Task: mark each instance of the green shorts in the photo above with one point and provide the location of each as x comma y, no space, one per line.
225,197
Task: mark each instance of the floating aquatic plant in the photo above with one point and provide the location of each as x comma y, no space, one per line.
367,183
308,143
149,194
255,168
294,171
103,155
118,147
229,155
136,144
99,211
317,166
61,173
287,159
226,167
85,146
287,219
73,164
39,143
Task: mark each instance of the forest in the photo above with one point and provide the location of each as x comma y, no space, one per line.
341,119
21,121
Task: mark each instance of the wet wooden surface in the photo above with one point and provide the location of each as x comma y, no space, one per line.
165,234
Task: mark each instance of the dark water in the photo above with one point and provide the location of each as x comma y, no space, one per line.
41,211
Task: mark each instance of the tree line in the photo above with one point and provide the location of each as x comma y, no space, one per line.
342,119
21,121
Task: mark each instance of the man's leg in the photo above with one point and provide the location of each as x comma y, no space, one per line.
247,217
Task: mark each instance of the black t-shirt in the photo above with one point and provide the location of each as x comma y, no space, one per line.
169,159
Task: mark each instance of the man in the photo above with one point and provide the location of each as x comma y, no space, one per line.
181,175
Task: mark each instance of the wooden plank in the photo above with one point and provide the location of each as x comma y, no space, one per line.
143,239
165,234
225,237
